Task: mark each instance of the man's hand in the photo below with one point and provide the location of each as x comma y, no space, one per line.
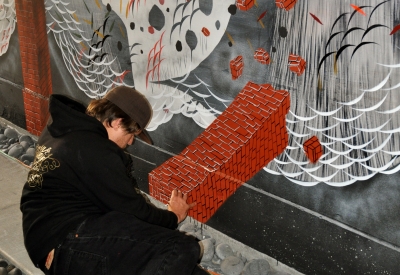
177,204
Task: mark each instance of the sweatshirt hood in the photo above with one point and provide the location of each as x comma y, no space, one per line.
67,115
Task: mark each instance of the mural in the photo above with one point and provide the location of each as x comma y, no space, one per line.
348,100
193,58
7,23
306,90
159,41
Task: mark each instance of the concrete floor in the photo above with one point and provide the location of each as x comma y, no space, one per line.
12,177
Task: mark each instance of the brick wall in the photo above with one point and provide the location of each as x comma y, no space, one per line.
35,58
238,144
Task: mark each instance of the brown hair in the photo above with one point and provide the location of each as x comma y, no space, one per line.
106,111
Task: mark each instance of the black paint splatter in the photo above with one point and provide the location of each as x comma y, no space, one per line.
191,39
282,32
217,24
156,18
178,46
132,25
119,45
232,9
206,6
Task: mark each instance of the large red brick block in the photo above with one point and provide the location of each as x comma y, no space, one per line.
238,144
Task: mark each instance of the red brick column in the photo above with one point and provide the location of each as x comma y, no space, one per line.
35,59
238,144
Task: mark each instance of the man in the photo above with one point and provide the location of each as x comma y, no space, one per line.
82,210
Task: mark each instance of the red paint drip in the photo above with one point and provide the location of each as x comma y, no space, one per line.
395,29
357,8
316,18
262,15
151,29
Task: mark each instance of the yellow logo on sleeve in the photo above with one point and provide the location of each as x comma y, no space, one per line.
42,164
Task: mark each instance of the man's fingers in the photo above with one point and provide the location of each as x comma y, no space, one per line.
193,204
185,196
178,193
174,193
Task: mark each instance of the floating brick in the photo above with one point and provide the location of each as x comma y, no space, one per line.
236,66
313,149
205,31
262,56
238,144
285,4
297,64
244,5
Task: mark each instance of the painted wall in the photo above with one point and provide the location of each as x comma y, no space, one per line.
11,102
326,198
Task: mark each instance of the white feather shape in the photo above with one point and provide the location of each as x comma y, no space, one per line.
354,101
364,177
392,131
303,183
338,152
355,147
392,171
376,106
380,169
310,170
342,166
329,161
358,160
392,88
323,179
273,172
296,161
380,85
343,138
296,134
372,130
380,147
325,113
302,118
322,129
348,119
341,184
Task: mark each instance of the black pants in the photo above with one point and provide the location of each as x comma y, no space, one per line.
121,244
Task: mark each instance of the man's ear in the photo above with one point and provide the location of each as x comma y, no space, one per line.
116,123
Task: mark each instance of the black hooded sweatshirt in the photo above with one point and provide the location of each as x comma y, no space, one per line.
78,173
